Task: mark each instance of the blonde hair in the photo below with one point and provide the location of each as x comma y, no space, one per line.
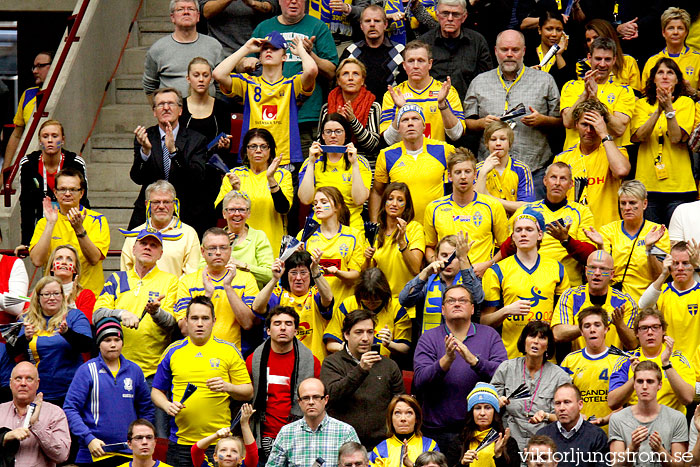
352,61
673,13
35,314
238,440
77,288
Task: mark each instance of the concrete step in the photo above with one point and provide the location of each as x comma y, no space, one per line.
130,96
103,200
111,155
153,28
130,81
111,177
113,140
133,60
123,118
116,216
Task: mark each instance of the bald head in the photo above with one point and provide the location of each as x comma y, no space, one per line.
24,383
511,36
599,272
510,50
25,368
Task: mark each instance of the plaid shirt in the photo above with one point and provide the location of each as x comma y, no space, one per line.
297,445
536,89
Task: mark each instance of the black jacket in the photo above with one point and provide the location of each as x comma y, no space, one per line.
32,189
186,175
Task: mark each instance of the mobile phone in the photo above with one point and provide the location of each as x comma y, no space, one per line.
376,348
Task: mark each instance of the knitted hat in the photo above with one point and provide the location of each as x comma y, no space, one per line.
483,393
411,108
108,327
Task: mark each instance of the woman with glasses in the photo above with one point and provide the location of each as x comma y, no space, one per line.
37,176
345,169
631,240
53,338
251,248
526,385
64,265
357,105
267,186
404,420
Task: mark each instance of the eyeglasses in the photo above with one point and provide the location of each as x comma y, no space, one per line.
214,249
450,14
315,398
40,65
187,9
50,294
255,147
64,191
452,301
337,132
161,105
354,464
653,327
299,273
161,203
235,210
142,437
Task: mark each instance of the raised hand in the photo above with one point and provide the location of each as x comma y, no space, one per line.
142,139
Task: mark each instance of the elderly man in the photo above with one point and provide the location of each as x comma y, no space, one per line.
448,362
316,435
360,381
231,290
565,223
424,172
439,102
597,164
458,52
168,152
573,435
495,92
679,299
40,440
378,53
143,299
619,305
26,106
181,255
318,42
214,366
678,380
167,59
85,229
596,85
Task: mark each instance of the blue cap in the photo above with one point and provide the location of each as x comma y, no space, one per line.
411,108
533,215
150,232
276,40
483,393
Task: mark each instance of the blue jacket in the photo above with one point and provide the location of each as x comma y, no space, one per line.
98,405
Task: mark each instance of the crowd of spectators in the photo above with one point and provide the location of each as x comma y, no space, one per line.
484,204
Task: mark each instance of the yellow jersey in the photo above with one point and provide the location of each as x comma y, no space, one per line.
622,372
680,310
97,228
658,149
205,410
225,327
344,250
272,106
510,280
591,374
484,220
390,260
313,317
26,106
393,316
262,208
338,176
619,243
688,61
594,184
578,298
615,97
574,214
425,174
388,452
427,99
514,184
629,75
125,290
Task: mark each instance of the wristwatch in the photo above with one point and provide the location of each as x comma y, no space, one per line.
82,234
667,367
670,114
606,138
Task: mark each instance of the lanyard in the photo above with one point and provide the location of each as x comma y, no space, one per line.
528,408
43,166
547,66
508,88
